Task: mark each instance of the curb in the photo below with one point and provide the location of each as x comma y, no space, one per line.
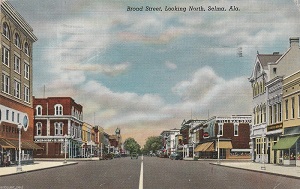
33,170
257,171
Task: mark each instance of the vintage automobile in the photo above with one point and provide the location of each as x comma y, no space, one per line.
175,156
134,155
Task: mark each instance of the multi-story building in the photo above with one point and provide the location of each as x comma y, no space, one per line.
260,76
58,122
274,115
229,133
16,106
189,137
289,143
268,111
169,138
89,146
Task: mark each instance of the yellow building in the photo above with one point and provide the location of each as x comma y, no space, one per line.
289,143
88,141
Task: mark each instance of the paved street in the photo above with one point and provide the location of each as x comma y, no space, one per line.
158,173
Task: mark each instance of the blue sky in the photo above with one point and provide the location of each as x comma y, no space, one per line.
145,72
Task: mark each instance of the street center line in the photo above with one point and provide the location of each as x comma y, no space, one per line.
141,175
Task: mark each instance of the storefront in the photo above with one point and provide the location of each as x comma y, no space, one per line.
209,149
9,151
289,150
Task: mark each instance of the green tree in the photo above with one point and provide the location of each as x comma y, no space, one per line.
131,145
153,144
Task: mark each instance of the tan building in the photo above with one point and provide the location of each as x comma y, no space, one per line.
89,147
16,106
289,143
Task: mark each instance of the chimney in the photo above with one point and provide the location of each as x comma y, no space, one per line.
294,41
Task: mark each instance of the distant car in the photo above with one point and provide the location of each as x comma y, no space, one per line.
175,156
108,156
134,155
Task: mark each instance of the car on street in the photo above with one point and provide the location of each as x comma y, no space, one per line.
175,156
134,155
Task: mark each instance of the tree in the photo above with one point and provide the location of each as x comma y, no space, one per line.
131,145
153,144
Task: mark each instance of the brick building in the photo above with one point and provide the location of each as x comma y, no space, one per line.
16,107
58,121
231,132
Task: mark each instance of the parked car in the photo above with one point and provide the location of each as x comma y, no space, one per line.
108,156
134,155
175,156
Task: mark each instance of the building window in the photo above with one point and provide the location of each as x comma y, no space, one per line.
26,70
299,106
6,30
17,89
26,48
0,115
39,129
12,116
221,129
58,128
7,115
5,56
275,113
38,110
286,109
5,83
58,108
18,118
17,40
293,108
265,113
236,129
279,112
17,64
26,94
271,114
274,70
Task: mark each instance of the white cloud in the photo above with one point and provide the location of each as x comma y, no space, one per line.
170,65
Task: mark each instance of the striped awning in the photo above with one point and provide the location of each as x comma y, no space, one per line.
5,144
208,146
24,144
225,144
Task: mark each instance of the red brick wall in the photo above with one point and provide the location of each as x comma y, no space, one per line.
238,142
26,135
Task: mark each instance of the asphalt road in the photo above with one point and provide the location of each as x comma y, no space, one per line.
158,173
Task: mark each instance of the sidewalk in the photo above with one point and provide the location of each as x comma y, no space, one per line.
246,164
38,165
280,170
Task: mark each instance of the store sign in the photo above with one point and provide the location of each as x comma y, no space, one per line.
45,140
205,135
274,127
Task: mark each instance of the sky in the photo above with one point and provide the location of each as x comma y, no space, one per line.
146,71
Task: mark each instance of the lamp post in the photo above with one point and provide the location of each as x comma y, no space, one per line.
263,167
218,148
65,162
193,150
19,167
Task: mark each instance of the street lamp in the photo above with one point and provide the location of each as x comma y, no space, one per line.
19,167
263,153
218,148
65,162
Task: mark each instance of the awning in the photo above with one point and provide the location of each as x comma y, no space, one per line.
24,144
225,144
205,147
5,144
285,143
